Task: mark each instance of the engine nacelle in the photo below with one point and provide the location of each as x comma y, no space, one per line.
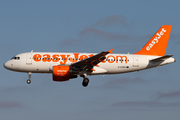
62,73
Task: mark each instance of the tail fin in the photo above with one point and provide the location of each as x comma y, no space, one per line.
158,43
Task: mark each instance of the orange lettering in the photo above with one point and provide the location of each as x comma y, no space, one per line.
110,60
75,59
83,57
46,58
55,58
64,59
121,57
37,57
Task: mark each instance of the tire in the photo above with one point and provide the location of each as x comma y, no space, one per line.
85,82
28,81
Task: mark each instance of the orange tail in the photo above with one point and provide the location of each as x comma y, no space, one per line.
158,43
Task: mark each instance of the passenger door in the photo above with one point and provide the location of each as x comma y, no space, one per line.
135,61
29,58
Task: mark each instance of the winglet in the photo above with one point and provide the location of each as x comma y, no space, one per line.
110,51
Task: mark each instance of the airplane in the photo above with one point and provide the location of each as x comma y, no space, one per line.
65,66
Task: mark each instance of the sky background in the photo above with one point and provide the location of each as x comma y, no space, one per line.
88,26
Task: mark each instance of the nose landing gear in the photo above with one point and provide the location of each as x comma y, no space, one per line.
29,80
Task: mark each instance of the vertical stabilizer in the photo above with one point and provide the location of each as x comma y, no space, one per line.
158,43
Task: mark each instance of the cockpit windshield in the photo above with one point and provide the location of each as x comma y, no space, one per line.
15,58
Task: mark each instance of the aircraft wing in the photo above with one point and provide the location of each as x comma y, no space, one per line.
89,63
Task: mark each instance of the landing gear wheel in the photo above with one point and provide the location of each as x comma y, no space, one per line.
85,82
28,81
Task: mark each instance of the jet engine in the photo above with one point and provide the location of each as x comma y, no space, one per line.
63,73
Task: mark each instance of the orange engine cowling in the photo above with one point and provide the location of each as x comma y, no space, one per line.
62,73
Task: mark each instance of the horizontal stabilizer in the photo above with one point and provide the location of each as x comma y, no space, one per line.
161,58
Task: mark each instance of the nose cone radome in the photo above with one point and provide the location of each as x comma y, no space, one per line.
7,65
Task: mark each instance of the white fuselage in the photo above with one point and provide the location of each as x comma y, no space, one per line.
42,62
65,66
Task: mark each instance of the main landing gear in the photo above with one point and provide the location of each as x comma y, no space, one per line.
85,80
29,80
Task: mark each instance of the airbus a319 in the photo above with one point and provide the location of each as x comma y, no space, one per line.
65,66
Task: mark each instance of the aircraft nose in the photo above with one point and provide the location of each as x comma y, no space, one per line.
7,65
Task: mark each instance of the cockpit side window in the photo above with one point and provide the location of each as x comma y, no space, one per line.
15,58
